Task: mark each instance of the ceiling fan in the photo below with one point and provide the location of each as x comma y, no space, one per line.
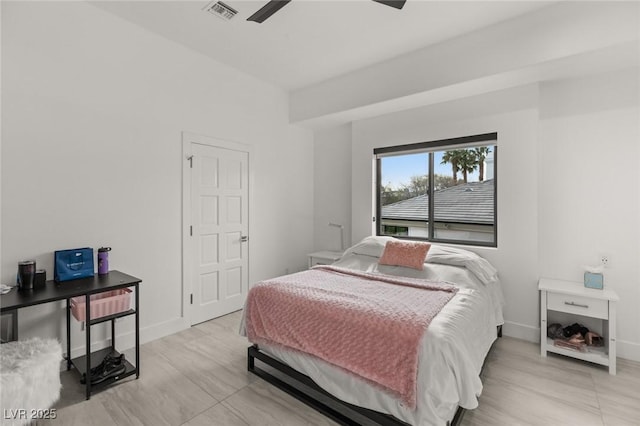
275,5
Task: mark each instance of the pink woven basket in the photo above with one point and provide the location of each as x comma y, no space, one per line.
102,304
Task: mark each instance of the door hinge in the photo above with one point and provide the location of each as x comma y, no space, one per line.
190,159
191,298
191,230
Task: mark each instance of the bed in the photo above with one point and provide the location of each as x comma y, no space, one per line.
450,352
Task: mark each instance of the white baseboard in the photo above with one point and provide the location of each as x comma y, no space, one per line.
521,331
127,339
628,350
160,330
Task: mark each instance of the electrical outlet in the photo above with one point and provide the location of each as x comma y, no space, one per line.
604,259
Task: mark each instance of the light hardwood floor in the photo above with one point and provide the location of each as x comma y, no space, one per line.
198,377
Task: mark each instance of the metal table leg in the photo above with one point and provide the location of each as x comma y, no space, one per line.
88,344
137,332
68,335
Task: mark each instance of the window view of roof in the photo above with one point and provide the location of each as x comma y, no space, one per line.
471,202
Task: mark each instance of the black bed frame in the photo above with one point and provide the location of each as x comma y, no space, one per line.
306,390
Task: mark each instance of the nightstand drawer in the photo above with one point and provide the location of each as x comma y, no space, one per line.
578,305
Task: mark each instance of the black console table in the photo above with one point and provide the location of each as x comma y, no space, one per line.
52,292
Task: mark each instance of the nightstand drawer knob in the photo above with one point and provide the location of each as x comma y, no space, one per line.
576,304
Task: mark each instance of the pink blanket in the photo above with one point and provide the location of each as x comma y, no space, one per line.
368,324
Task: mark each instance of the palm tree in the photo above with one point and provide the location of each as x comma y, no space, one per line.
480,154
467,163
453,157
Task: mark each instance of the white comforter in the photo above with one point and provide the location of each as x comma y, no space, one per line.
453,348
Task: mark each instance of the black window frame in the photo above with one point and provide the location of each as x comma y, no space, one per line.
430,147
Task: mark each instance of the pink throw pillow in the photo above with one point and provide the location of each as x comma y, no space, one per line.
405,253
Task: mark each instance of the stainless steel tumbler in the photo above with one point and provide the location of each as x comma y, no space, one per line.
26,274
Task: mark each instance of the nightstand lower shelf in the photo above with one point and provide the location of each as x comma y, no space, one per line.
597,355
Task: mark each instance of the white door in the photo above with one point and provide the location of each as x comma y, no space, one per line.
219,234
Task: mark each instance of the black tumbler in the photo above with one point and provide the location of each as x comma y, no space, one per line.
40,279
26,274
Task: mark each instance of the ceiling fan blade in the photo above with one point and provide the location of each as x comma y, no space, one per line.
267,10
398,4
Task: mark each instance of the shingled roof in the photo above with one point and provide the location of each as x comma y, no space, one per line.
471,202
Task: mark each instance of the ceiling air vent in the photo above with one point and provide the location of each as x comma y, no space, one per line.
221,10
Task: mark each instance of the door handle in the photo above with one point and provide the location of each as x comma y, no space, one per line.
244,239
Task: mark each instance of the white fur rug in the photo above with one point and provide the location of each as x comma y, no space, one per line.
30,379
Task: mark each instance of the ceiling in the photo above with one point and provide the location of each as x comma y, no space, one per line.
310,41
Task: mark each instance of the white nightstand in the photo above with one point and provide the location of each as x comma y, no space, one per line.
325,257
573,298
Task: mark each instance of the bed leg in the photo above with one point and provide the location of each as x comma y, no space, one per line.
500,331
250,358
457,418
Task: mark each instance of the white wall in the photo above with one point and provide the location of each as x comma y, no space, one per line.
568,185
589,184
332,198
93,113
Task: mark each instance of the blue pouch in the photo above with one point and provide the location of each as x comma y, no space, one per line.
73,264
593,280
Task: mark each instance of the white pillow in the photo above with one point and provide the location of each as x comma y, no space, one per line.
477,265
370,246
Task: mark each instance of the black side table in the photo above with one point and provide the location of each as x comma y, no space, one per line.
86,287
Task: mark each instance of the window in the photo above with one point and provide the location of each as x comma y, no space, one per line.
439,191
395,230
